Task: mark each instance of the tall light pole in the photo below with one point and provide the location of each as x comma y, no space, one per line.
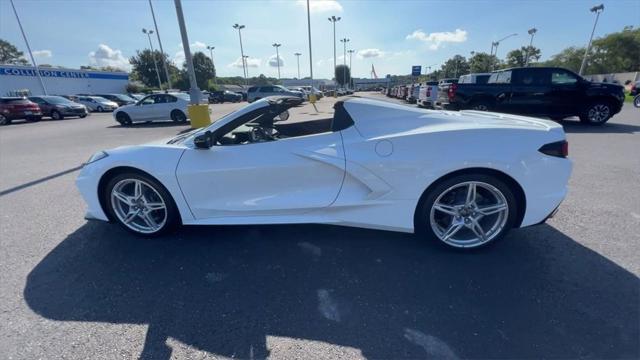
298,60
531,32
310,56
244,58
497,43
344,57
351,51
153,55
194,91
244,69
276,45
164,62
33,60
334,20
211,48
596,9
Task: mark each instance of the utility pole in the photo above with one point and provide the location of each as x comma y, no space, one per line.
596,9
211,48
344,57
153,55
310,56
164,62
351,51
276,45
334,19
244,58
244,69
298,60
33,60
497,43
531,32
194,91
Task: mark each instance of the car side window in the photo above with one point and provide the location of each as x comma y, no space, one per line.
149,100
170,98
37,100
504,77
559,77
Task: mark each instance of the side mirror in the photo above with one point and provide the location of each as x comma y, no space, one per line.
204,141
283,116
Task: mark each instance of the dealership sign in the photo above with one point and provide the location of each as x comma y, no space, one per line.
416,70
70,74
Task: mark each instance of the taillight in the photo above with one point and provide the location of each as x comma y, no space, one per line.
452,91
428,91
557,149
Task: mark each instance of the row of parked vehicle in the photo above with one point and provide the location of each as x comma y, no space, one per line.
550,92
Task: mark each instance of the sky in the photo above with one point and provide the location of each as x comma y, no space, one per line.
390,35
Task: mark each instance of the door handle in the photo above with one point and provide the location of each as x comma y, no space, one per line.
538,94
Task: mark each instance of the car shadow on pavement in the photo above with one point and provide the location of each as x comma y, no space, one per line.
571,126
225,290
147,125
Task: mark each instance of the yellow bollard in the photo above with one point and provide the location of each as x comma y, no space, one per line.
312,98
199,115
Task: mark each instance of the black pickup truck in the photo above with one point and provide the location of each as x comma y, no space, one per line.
539,91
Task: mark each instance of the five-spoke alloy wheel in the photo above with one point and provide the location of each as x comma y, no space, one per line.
140,204
469,211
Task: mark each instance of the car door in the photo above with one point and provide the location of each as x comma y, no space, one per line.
564,93
529,90
147,108
282,177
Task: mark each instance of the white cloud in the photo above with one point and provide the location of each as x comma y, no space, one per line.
370,53
43,53
319,6
438,38
273,61
251,62
195,45
179,58
106,56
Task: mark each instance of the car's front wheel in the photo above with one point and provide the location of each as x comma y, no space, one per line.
140,204
4,120
123,118
597,113
468,211
55,115
99,109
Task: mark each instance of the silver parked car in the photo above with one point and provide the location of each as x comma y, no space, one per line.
262,91
97,103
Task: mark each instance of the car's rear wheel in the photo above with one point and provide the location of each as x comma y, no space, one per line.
178,116
140,204
99,109
468,211
481,105
597,113
636,101
55,115
4,120
123,118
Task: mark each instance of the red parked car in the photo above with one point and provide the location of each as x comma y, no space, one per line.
14,108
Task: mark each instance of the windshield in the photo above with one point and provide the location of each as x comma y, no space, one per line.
99,99
57,100
123,97
182,96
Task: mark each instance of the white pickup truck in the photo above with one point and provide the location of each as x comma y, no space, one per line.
428,94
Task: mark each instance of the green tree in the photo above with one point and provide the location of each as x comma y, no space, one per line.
455,67
482,62
204,69
569,58
343,75
518,57
144,70
9,54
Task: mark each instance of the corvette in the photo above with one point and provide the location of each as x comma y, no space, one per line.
462,178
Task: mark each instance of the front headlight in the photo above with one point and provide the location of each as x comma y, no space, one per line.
97,156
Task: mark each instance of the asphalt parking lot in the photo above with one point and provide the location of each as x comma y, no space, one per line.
76,289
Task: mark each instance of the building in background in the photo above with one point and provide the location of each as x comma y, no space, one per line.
16,79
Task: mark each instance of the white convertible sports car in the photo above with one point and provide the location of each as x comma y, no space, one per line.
463,178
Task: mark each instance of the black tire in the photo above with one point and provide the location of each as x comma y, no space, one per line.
178,116
172,214
424,225
123,118
99,109
55,115
636,101
83,116
481,105
4,120
597,113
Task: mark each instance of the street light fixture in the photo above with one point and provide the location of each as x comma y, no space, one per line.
276,45
350,57
596,9
33,60
194,92
344,57
334,19
153,55
246,61
244,69
298,60
531,32
164,60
